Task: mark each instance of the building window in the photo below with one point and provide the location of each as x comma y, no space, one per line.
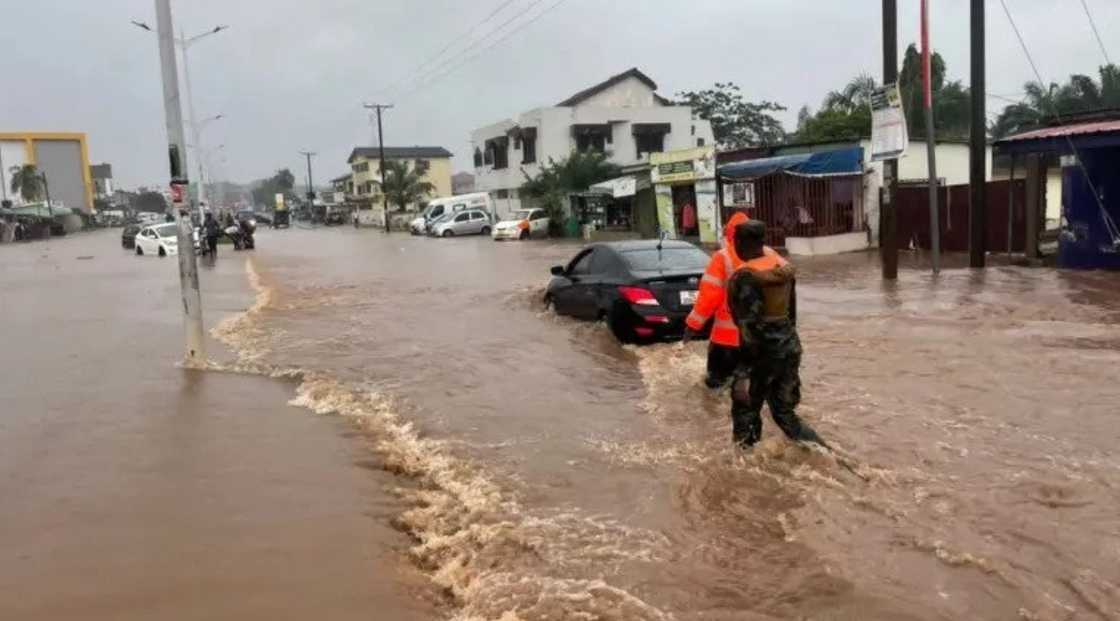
497,152
422,166
361,167
477,158
699,142
528,149
488,157
502,194
650,143
591,137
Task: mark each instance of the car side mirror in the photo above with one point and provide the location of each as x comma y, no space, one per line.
557,270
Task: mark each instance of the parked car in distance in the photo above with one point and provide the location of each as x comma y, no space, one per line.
159,240
643,289
524,224
468,222
441,207
128,236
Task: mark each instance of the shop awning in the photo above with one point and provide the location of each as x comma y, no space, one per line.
621,187
840,162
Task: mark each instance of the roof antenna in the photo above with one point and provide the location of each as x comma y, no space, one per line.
660,240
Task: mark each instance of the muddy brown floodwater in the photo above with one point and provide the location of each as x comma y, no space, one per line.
532,468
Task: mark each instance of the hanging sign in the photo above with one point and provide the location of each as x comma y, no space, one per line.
889,137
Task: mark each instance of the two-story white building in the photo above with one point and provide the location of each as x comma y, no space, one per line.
622,116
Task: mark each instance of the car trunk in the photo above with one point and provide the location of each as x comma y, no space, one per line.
667,287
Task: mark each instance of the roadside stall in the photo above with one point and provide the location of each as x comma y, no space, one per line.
629,211
684,185
811,202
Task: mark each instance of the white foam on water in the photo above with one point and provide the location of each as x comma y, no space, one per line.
495,559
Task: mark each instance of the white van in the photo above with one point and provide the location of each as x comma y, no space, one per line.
441,207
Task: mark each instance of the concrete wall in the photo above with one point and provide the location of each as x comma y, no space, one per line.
829,244
629,93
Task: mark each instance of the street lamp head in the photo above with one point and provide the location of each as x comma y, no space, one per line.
141,25
219,28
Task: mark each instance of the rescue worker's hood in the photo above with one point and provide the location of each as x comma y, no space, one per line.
729,232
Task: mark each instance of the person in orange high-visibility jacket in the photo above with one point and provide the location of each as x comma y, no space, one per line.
711,305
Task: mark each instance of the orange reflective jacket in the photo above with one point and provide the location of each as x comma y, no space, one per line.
712,299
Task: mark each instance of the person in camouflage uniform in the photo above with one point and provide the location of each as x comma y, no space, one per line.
763,301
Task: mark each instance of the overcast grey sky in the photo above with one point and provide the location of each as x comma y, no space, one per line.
292,74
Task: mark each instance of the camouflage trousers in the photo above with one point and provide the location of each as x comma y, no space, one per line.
776,382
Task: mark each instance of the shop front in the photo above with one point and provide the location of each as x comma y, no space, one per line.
684,184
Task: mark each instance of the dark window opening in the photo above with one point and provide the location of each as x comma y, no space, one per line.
497,152
502,193
699,142
422,166
592,137
528,150
477,158
650,143
488,157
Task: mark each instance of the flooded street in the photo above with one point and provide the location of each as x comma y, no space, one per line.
397,428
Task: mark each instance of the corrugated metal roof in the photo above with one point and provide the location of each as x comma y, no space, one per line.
1062,131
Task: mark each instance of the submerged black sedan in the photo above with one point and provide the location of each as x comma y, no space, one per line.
643,289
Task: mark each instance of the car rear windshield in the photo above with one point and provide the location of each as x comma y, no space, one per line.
167,230
666,259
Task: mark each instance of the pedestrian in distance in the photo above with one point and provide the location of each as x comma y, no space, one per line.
762,297
213,230
724,355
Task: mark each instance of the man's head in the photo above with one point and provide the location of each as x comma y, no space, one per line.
749,238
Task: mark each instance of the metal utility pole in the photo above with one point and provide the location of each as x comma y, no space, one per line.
310,184
3,181
888,222
177,156
978,143
184,44
381,157
47,192
931,143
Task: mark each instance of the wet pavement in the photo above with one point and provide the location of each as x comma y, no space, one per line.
477,457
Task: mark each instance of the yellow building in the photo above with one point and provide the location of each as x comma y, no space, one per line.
434,163
62,156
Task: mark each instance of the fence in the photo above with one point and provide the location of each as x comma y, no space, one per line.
795,206
913,216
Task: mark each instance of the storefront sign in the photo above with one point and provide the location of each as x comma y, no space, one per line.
280,202
683,166
889,137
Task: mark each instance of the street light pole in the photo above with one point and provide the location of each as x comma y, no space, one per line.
188,266
381,158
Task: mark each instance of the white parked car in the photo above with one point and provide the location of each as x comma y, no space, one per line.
523,225
160,240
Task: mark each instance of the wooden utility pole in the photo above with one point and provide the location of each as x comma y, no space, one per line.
978,145
381,158
888,220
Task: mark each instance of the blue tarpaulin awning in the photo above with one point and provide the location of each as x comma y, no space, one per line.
840,162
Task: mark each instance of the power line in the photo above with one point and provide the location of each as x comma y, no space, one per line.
1093,23
455,40
436,71
1113,231
474,56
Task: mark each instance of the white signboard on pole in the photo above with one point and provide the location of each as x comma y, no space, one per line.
889,137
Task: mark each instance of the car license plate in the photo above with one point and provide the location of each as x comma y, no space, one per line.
688,298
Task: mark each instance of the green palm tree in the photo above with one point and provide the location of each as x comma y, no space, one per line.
27,182
404,186
1043,103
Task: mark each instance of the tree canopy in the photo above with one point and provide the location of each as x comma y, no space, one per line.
735,121
846,114
1042,102
404,186
266,189
575,173
27,182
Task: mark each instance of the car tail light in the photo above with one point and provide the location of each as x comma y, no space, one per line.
638,295
640,331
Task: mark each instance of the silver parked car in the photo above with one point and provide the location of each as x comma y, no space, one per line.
469,222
